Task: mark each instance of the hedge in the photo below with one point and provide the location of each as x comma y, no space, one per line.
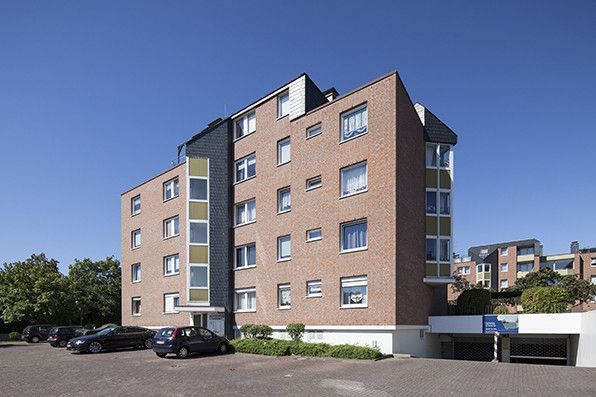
295,331
500,310
545,300
256,330
277,347
473,301
14,336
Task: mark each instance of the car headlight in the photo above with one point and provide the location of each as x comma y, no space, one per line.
79,342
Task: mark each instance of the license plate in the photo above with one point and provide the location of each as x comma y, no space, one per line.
160,342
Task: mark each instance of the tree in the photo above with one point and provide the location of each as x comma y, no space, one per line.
95,287
460,283
34,291
577,289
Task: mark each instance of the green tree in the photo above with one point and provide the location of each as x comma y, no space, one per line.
34,291
95,287
577,289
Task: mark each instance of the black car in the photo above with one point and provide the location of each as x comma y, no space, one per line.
183,341
36,333
59,336
112,338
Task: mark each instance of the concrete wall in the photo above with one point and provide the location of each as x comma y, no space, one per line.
586,344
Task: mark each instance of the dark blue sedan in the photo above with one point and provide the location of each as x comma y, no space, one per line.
184,341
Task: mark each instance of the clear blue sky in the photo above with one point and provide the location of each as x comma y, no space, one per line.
95,96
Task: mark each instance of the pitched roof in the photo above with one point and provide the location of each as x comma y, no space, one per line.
434,129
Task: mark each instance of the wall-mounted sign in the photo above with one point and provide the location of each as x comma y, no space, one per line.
501,323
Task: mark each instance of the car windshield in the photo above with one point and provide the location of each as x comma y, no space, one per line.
105,331
166,332
54,330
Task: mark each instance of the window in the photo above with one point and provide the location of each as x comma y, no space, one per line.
283,151
445,254
198,189
246,212
246,256
171,227
354,236
354,123
431,202
198,276
135,205
503,284
484,251
245,168
245,125
354,179
313,289
313,183
314,130
593,262
354,291
444,156
245,300
170,189
283,104
283,200
525,251
504,251
284,248
136,306
445,203
463,270
431,156
171,265
431,249
284,296
171,301
525,266
136,272
504,267
314,234
199,233
484,283
483,268
593,280
136,238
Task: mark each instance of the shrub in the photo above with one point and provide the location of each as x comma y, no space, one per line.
351,351
248,330
295,331
500,310
14,336
310,349
473,301
268,347
256,330
545,300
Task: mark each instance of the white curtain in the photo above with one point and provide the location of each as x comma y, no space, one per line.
252,122
252,211
285,203
356,122
252,300
285,247
354,179
355,236
242,301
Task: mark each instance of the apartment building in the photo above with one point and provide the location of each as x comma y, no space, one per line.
497,266
303,206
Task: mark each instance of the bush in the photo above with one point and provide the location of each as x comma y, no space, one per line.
473,301
248,330
545,300
256,330
267,347
500,310
351,351
295,331
310,349
14,336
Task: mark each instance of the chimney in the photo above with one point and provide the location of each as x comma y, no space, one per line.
574,247
330,94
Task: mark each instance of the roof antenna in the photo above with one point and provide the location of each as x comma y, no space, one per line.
225,110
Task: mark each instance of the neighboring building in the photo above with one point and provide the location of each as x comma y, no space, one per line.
304,206
497,266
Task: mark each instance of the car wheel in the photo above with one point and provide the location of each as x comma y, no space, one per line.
95,347
35,339
182,352
148,343
161,355
222,348
62,343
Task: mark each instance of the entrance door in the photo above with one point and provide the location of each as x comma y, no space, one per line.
197,320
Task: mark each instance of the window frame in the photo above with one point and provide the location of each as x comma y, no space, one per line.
357,281
245,255
189,281
279,241
175,296
132,205
310,239
347,113
244,161
504,251
245,204
195,200
436,193
175,182
279,152
461,271
245,291
280,288
281,95
592,262
318,126
165,227
342,227
506,267
132,239
314,178
245,116
310,283
133,300
175,272
279,201
206,223
501,283
341,179
132,273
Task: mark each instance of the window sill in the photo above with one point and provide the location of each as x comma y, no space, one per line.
169,237
171,274
314,239
354,137
138,213
353,194
312,136
171,312
314,296
171,198
244,224
137,315
244,180
284,211
136,282
245,311
284,260
308,189
280,164
282,117
245,267
353,250
243,136
284,307
354,307
135,248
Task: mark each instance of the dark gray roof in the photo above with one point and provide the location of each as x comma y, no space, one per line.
476,251
436,131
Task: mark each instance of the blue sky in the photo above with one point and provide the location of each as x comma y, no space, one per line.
95,96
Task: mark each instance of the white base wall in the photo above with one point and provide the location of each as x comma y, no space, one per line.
586,343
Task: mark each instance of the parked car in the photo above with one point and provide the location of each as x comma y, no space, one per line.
112,338
59,336
36,333
184,341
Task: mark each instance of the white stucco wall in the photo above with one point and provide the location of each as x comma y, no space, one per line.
455,324
586,346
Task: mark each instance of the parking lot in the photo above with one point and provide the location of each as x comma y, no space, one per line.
36,369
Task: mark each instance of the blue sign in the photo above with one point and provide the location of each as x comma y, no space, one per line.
501,323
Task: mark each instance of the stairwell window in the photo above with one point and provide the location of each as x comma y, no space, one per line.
171,189
504,251
198,189
314,130
244,125
445,203
283,104
354,123
245,168
354,179
171,227
199,233
503,284
245,212
283,151
136,238
444,250
354,291
431,202
354,236
284,203
314,183
431,249
504,267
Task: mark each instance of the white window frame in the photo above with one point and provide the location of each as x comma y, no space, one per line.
436,192
245,119
450,149
190,179
436,156
190,286
132,205
244,248
309,238
279,241
464,270
317,127
317,180
504,251
525,264
245,291
506,267
314,283
506,283
592,262
206,223
279,152
450,250
341,179
243,162
279,201
245,204
176,259
171,221
132,308
280,113
132,273
435,239
356,281
342,227
133,244
173,182
280,288
484,265
348,113
174,296
440,202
